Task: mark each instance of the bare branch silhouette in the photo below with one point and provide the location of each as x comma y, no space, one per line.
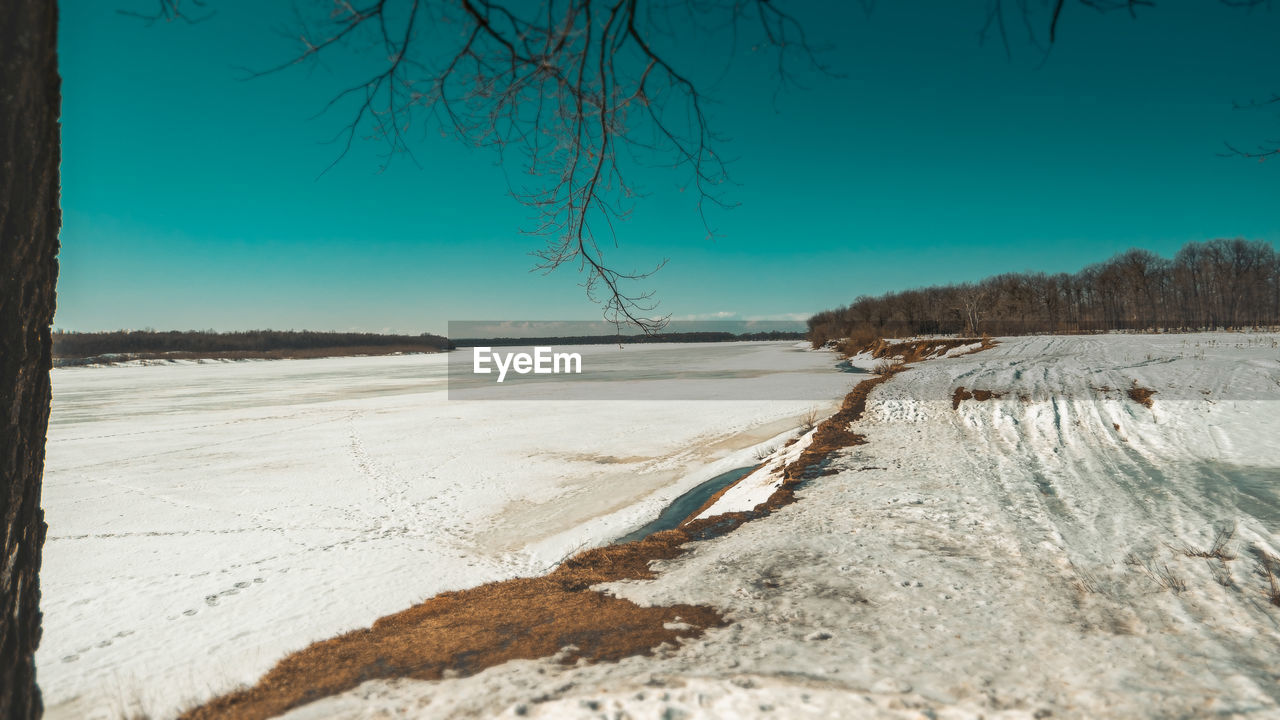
994,22
576,93
171,10
1264,150
1055,9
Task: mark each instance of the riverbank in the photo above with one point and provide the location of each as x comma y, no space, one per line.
206,520
1035,554
559,614
187,357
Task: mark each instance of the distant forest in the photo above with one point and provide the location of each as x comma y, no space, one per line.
80,348
71,348
1219,284
680,337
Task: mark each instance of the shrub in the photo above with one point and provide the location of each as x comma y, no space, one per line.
886,366
860,340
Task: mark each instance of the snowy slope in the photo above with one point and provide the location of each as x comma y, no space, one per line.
206,519
1020,557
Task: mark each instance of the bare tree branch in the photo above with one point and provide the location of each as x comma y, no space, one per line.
576,93
171,10
995,21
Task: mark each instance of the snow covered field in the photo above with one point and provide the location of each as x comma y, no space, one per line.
1026,556
205,519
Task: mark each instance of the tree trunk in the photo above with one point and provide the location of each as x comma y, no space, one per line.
29,222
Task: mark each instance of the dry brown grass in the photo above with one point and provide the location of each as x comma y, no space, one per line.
907,351
1164,577
471,630
961,394
1270,567
1219,550
910,351
885,366
558,614
1141,395
858,341
834,433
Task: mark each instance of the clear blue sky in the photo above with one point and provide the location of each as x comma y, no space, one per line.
191,197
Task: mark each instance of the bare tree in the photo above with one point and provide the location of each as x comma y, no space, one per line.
1207,285
971,302
29,223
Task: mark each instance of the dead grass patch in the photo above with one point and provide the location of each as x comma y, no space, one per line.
1220,573
470,630
860,340
810,420
910,351
1270,566
833,434
1164,577
961,394
1084,581
1141,395
886,366
1219,550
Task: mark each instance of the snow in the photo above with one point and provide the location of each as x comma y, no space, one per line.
760,485
205,519
962,350
999,560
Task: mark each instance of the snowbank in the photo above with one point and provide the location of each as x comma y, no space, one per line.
1029,556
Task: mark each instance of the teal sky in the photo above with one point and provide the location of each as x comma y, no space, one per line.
193,198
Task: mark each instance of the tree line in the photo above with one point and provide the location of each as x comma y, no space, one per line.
1217,284
261,343
670,337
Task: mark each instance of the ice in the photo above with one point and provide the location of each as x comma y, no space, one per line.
207,518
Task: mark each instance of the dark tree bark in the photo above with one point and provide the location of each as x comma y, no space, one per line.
29,222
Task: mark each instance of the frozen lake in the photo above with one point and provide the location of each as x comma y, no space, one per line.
205,519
